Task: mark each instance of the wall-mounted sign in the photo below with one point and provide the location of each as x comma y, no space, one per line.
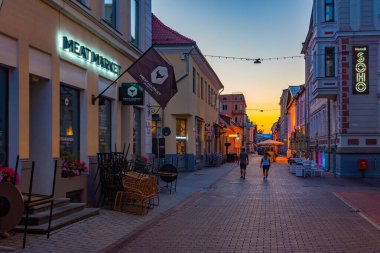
166,131
131,94
89,55
360,84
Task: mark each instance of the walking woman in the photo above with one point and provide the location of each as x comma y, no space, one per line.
265,164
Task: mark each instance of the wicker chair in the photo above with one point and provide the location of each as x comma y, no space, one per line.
140,191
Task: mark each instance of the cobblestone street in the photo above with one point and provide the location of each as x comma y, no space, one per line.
282,214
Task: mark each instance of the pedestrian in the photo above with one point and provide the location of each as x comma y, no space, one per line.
244,160
265,164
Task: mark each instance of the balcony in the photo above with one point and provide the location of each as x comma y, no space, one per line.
325,87
238,112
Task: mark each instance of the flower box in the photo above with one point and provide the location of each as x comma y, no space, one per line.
73,168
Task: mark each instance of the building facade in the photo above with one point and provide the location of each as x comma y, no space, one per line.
192,114
342,65
55,56
234,105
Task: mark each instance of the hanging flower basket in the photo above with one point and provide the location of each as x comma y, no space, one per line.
7,175
73,168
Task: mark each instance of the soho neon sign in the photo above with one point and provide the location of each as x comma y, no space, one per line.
88,55
360,70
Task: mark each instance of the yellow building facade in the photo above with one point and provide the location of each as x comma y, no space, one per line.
55,56
192,114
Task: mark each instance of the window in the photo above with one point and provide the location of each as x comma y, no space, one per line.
83,2
236,119
208,94
3,117
110,12
202,91
329,62
105,112
69,122
135,24
136,131
194,81
235,107
181,136
329,11
224,107
198,148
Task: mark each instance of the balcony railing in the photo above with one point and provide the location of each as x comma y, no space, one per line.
325,87
238,112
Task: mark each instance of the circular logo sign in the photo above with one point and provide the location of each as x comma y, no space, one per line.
166,131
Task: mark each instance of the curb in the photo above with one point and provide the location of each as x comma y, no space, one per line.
357,210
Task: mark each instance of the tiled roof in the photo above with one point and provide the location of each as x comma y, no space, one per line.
162,34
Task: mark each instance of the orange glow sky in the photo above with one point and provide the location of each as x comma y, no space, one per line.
249,29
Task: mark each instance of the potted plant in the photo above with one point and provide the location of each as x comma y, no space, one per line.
72,167
7,175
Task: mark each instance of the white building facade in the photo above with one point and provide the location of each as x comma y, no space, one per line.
342,86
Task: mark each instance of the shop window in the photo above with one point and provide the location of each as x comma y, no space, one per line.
329,62
105,126
199,138
135,24
3,117
329,11
110,12
69,122
136,131
181,136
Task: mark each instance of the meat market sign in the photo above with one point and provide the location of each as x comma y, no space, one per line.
360,83
76,49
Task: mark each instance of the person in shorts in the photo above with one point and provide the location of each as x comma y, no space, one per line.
243,159
265,164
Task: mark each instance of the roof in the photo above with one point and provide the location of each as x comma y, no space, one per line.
294,90
162,34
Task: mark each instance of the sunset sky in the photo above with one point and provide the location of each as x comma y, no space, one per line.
248,29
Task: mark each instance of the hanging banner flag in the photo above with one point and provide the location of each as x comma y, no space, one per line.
155,75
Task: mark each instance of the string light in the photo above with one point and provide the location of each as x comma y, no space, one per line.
261,110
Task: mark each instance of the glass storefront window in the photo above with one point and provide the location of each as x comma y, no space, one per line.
181,136
69,122
105,126
3,117
199,138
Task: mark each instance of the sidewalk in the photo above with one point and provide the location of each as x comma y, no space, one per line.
102,232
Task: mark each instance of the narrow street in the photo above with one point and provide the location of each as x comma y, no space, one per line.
282,214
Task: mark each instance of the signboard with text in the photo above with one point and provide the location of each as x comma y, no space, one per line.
360,84
131,94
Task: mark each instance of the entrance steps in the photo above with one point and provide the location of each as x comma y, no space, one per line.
64,213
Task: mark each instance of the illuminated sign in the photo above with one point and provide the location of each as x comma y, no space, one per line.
89,55
360,83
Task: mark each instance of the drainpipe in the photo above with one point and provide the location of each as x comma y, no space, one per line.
187,65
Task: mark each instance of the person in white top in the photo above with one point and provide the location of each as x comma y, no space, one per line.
265,164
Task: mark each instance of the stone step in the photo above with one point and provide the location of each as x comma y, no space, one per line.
57,203
60,222
58,212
